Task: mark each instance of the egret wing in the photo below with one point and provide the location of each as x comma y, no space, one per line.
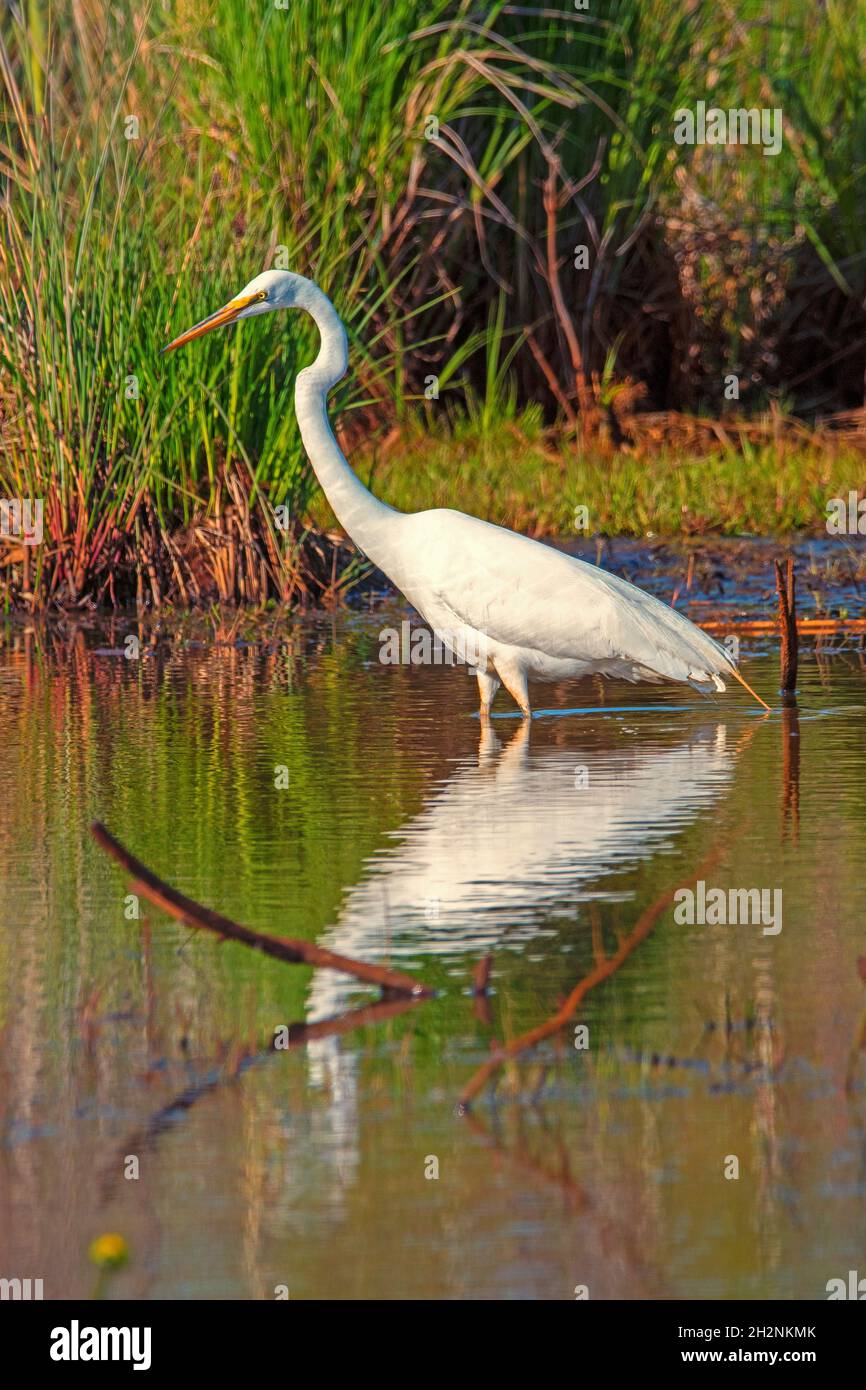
523,593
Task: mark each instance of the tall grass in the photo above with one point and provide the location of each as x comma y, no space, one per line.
434,166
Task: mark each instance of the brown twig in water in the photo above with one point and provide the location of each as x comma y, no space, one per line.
602,971
480,986
482,975
614,1235
788,622
745,684
295,952
790,770
805,626
574,1191
234,1065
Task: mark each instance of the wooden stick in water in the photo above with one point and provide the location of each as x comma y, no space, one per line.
821,627
788,622
482,975
602,971
745,684
296,952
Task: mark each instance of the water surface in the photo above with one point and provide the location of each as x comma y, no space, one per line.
408,834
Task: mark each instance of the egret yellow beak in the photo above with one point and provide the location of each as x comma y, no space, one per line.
227,314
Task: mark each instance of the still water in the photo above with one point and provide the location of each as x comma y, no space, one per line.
407,834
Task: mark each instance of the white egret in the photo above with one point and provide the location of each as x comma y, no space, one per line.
513,607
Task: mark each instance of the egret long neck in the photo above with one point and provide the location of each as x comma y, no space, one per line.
369,522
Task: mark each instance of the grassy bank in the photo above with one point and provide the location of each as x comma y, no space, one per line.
537,481
435,168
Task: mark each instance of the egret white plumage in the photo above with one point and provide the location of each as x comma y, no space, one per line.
515,608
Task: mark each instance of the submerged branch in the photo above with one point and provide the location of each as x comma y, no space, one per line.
820,627
233,1066
295,952
606,967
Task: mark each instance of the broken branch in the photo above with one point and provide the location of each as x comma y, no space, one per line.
788,623
296,952
605,968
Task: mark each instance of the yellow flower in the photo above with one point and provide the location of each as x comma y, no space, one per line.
109,1252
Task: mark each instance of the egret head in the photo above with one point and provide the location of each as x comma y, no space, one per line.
273,289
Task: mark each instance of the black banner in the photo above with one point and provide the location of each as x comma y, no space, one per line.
63,1339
